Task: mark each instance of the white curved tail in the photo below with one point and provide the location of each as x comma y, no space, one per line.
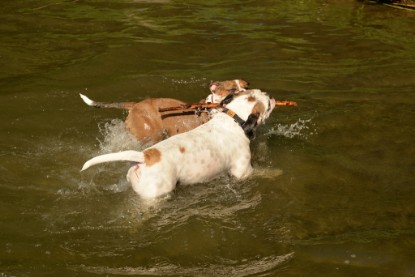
130,155
120,105
87,101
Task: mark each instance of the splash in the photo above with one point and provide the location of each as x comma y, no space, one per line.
191,80
116,137
303,128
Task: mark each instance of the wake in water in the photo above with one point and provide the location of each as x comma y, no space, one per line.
252,267
215,212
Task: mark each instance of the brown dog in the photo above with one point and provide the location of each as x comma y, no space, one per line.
150,126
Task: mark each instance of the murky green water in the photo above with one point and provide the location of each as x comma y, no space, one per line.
344,205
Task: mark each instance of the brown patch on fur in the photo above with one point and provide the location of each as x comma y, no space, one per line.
222,92
229,85
251,99
152,156
182,149
244,84
258,109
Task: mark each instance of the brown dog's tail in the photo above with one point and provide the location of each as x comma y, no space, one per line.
120,105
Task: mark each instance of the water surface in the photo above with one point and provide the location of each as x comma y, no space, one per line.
343,205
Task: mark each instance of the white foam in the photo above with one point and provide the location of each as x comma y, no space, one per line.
191,80
116,137
303,128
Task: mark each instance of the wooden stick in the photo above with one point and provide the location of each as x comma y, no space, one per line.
285,103
194,106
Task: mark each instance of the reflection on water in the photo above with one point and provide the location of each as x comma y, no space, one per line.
333,190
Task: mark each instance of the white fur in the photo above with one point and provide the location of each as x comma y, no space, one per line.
238,85
218,146
131,155
88,101
209,98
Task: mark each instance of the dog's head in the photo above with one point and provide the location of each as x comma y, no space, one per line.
252,106
220,90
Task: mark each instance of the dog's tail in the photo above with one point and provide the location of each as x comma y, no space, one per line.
130,155
120,105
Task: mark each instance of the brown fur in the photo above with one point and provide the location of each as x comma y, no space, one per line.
147,124
228,85
258,109
223,88
152,156
166,124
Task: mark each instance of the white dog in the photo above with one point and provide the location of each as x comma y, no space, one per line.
199,155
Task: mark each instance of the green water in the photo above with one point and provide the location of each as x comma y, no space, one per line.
344,205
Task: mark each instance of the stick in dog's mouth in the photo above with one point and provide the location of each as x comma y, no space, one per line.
216,105
191,107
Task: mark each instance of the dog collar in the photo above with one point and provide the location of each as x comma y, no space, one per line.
235,117
247,126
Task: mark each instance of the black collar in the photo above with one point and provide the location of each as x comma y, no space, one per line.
238,120
247,126
235,117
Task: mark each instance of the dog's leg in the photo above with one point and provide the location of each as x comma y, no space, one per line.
241,168
241,172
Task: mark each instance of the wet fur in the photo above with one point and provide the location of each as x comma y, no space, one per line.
196,156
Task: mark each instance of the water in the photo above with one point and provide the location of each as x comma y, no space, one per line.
333,190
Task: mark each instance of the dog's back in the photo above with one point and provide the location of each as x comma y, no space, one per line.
149,125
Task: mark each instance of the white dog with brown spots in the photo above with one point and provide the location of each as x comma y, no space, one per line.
218,146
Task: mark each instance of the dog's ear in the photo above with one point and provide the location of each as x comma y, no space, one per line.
243,83
250,124
227,100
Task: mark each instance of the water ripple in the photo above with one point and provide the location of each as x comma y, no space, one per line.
225,268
